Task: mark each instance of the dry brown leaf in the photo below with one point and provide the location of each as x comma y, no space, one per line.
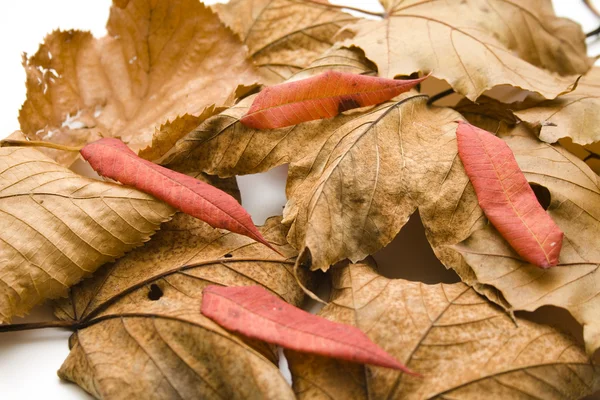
353,181
225,147
169,133
483,259
476,45
159,61
575,115
141,333
58,227
464,346
284,36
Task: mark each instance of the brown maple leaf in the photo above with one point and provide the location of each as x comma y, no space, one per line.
159,61
476,45
463,345
139,330
284,36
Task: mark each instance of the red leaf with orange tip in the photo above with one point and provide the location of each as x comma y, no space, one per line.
322,96
506,197
256,313
113,159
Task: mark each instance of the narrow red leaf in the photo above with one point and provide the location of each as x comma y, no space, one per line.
113,159
322,96
506,197
256,313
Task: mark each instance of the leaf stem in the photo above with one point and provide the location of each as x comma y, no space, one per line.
37,143
592,8
439,96
375,14
38,325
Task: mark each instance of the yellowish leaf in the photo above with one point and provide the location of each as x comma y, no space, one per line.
464,346
58,227
476,45
140,333
284,36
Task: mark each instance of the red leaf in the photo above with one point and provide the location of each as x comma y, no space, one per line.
506,197
112,158
322,96
256,313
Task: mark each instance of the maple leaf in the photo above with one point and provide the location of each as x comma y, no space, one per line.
476,45
462,344
144,310
58,227
283,36
462,238
158,62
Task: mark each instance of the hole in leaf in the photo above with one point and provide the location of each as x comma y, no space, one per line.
228,255
409,256
542,194
155,292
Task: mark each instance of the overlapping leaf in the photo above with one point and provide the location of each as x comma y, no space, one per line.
284,36
255,313
113,159
575,115
158,62
322,96
476,45
58,227
141,333
506,197
464,346
451,215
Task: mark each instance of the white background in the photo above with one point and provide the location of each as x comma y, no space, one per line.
29,360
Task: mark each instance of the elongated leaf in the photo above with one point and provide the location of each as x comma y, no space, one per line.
112,158
322,96
506,197
57,227
140,331
465,347
254,312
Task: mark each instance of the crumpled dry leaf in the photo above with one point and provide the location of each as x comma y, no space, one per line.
575,115
345,205
283,36
58,227
141,333
484,260
476,45
353,180
158,62
464,346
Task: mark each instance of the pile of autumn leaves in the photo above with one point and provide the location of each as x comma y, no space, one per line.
177,99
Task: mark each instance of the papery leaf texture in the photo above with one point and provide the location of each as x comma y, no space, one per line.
140,332
322,96
463,238
283,36
158,62
254,312
58,227
506,197
113,159
575,115
476,45
464,346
